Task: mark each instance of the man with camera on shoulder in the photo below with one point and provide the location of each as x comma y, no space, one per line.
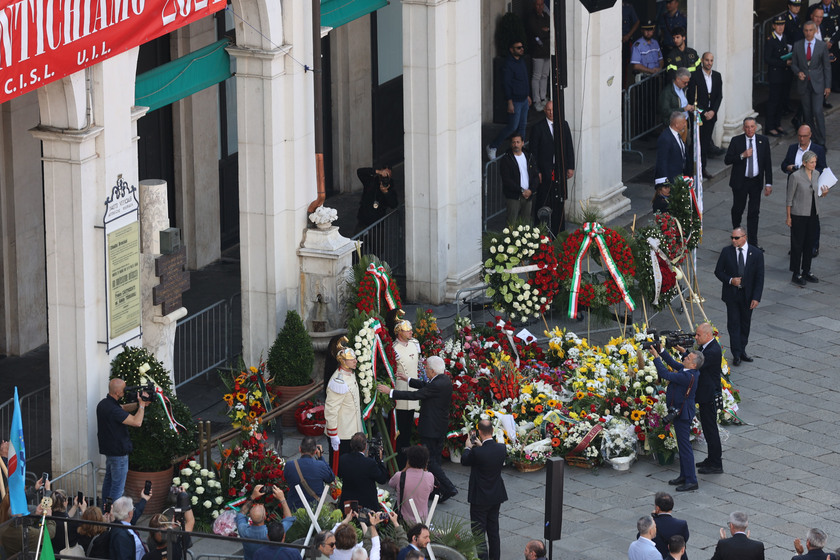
359,473
679,397
256,511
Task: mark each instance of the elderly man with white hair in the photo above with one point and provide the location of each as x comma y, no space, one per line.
125,543
435,396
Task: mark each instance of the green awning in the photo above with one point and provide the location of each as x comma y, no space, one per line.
335,13
183,77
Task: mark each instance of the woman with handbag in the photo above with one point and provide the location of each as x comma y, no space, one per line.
95,539
414,482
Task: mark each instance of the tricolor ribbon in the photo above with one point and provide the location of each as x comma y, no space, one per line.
378,349
594,233
167,407
655,251
587,439
383,285
265,397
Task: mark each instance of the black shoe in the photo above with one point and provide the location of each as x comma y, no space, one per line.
815,254
707,175
710,470
702,463
677,481
687,487
827,105
810,278
736,361
798,280
745,358
446,495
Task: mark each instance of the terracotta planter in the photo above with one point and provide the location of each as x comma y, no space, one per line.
161,483
291,395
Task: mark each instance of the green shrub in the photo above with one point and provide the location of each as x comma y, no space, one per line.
291,357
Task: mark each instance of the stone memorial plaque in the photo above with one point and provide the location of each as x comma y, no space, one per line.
174,280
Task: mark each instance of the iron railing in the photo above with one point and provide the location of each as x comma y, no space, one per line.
641,110
385,238
760,34
79,479
35,415
492,199
205,341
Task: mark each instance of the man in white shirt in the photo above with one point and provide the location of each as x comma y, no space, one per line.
643,547
520,178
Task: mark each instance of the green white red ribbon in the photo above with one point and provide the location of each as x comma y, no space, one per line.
383,285
594,233
378,349
167,407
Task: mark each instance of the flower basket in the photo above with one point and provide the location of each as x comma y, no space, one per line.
579,462
525,466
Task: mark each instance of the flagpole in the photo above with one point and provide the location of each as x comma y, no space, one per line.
2,482
41,537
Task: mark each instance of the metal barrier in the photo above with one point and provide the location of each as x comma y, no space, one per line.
641,110
385,238
35,415
204,341
79,479
760,34
492,199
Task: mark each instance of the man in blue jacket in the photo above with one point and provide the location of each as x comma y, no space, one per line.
517,89
680,399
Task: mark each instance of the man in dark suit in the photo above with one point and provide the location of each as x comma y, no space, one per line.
708,394
739,546
486,457
812,71
815,543
666,524
679,396
542,147
360,473
752,171
435,397
671,150
793,161
740,268
418,539
706,89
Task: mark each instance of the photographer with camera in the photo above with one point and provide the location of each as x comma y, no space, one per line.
359,473
112,421
311,472
679,397
257,529
378,196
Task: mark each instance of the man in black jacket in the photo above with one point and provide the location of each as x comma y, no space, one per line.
752,172
486,457
815,543
739,546
706,87
360,473
542,148
520,179
435,396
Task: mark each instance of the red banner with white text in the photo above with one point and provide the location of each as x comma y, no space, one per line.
44,40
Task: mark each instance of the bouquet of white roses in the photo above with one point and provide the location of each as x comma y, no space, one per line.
205,491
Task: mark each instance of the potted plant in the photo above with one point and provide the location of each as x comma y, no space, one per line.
167,432
290,362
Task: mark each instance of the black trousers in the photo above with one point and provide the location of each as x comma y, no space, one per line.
803,234
738,319
775,102
751,189
405,423
708,420
485,520
706,138
435,447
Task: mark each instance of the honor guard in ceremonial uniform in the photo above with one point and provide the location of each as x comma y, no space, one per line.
407,350
778,75
343,408
681,56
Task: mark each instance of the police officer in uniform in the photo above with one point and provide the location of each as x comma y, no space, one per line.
778,75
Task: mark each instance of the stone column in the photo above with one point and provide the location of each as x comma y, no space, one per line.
593,110
276,170
82,160
725,29
158,329
442,100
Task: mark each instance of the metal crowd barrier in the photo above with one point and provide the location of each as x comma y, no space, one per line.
203,341
78,479
35,415
385,238
492,200
641,110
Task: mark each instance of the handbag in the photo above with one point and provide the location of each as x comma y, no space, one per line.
75,550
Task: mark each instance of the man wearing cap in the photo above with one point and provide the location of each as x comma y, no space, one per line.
681,56
646,56
778,75
706,87
812,71
793,22
435,396
407,351
668,21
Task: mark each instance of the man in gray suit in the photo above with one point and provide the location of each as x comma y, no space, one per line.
812,68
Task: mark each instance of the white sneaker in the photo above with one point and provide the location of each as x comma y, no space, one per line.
491,153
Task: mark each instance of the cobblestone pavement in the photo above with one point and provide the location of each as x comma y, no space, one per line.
781,467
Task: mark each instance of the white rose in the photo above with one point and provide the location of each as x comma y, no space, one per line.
186,471
218,500
507,239
506,230
649,390
648,378
197,482
193,464
207,504
194,500
211,475
215,514
199,490
493,250
176,481
204,472
185,485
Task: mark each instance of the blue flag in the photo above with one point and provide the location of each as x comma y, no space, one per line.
17,463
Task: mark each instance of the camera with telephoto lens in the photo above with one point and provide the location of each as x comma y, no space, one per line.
673,414
365,515
648,344
182,504
134,393
678,338
375,448
385,181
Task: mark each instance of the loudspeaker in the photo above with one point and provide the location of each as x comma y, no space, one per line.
554,498
593,6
